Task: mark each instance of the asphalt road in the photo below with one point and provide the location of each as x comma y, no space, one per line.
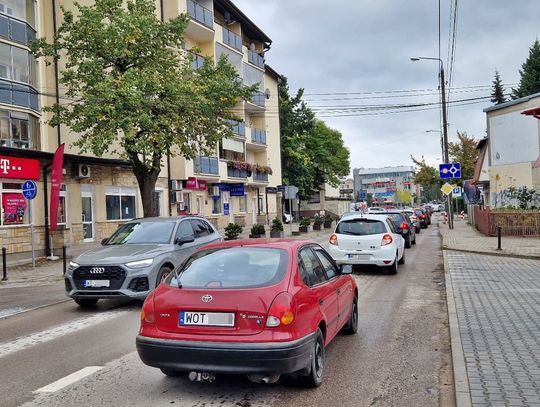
400,357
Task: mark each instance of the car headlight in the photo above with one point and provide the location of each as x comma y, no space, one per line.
73,265
140,263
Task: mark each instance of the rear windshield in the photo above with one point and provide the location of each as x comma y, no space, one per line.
397,218
418,211
233,267
361,227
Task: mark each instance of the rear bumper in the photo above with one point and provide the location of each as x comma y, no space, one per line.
220,357
383,257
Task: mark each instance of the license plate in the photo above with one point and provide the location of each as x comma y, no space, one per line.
357,256
97,283
206,318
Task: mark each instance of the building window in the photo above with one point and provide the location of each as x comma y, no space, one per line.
14,206
62,206
21,9
242,204
18,130
216,205
230,149
120,203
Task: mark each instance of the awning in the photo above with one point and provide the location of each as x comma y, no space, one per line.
535,112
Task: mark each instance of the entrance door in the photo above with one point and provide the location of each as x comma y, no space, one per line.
254,219
87,205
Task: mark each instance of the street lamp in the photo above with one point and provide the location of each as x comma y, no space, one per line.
442,143
445,126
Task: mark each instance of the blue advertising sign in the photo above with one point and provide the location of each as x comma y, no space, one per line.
226,208
237,189
29,190
383,194
450,170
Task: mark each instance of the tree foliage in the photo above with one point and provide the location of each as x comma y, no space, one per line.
497,93
312,153
132,90
428,177
464,152
530,74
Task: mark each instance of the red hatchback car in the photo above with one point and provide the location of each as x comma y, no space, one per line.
257,307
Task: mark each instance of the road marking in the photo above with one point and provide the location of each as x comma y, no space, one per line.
70,379
20,310
55,332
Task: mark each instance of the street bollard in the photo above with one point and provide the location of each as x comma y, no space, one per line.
4,264
64,259
499,238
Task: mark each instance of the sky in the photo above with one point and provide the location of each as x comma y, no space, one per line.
350,53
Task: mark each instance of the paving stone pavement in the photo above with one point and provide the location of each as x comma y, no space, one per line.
498,308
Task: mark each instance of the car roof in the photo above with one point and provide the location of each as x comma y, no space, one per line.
164,219
369,216
284,244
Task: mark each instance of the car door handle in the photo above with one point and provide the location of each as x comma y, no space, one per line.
321,301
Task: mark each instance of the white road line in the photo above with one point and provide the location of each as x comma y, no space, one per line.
70,379
55,332
20,310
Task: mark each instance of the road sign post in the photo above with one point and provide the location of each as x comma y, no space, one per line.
449,171
29,191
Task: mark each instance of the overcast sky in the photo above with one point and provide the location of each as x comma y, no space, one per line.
363,46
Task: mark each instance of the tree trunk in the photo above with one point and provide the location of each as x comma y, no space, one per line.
147,185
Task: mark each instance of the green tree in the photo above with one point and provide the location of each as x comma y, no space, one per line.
132,90
530,74
428,177
497,94
464,152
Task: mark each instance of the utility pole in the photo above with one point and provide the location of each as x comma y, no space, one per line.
445,143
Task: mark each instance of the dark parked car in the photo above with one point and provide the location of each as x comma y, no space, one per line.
404,226
422,217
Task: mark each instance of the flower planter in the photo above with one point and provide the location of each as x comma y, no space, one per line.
303,229
317,227
278,234
327,225
256,236
231,238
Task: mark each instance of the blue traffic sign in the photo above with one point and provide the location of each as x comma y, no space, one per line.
362,195
450,170
29,190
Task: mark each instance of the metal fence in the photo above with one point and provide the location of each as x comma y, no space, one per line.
512,223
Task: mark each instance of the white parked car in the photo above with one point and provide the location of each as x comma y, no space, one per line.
368,239
376,209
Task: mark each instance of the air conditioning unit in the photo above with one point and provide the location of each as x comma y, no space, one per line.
215,191
176,185
83,171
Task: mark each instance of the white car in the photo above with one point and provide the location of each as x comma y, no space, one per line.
376,209
368,239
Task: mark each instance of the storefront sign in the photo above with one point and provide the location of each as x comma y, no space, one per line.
56,181
19,168
271,190
194,183
226,208
14,206
237,189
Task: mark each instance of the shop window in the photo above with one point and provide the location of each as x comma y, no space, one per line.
216,205
120,203
242,204
62,206
14,206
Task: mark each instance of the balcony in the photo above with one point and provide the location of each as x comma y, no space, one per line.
256,59
206,165
238,128
256,105
236,173
201,26
232,40
258,136
260,176
198,61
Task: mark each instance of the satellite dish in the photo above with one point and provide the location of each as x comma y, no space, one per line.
227,17
267,93
252,46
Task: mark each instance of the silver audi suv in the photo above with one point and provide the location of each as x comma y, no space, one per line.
136,258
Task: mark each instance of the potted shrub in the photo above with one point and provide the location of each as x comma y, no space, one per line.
304,225
257,231
318,223
232,231
276,230
328,221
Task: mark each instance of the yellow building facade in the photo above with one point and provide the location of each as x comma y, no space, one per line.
99,193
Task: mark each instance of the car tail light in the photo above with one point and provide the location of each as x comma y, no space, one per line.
281,311
333,240
422,216
414,218
386,240
147,311
404,226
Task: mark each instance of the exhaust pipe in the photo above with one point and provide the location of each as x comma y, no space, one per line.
258,378
202,377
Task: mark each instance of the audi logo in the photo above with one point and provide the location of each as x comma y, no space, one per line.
97,270
207,298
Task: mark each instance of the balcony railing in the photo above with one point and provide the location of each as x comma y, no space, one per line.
256,59
238,128
258,136
198,61
258,98
16,30
200,13
234,173
260,176
232,40
206,165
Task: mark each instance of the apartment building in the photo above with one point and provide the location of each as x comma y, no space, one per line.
388,185
238,183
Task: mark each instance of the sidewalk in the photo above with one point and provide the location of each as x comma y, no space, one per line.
466,238
47,271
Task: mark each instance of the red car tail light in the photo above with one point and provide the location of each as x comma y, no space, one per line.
333,240
147,311
422,216
414,218
386,240
404,226
281,311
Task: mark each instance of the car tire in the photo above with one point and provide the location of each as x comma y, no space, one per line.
86,302
393,269
163,272
402,260
352,324
171,372
316,368
408,241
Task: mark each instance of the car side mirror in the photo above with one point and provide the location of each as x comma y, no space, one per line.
104,241
346,269
180,241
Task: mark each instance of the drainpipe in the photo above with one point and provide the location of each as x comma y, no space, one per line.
46,205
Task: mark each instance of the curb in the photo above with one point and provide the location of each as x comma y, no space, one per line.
461,380
500,254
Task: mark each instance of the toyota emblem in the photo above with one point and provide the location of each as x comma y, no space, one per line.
207,298
97,270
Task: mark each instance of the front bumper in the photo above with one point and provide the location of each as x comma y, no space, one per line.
227,357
